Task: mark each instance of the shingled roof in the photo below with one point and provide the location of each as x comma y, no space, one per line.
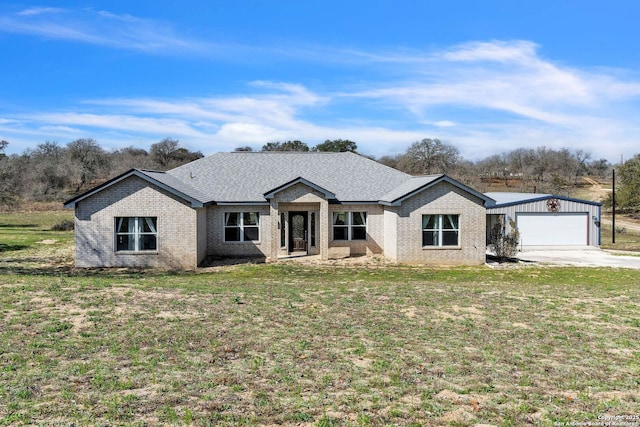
254,177
247,176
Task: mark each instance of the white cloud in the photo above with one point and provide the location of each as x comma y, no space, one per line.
32,11
482,97
104,29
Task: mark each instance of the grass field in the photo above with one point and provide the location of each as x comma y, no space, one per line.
296,344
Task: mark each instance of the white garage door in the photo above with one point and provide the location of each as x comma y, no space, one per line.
552,229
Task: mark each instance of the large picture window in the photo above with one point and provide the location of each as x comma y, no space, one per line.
241,226
440,230
136,234
349,226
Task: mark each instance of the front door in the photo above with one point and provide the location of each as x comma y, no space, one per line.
298,231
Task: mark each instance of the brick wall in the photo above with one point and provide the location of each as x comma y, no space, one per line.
375,230
215,233
443,198
95,227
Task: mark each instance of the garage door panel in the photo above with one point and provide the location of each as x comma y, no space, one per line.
552,229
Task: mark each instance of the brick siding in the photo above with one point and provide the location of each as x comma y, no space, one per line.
95,227
443,198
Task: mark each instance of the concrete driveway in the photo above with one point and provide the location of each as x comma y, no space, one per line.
582,256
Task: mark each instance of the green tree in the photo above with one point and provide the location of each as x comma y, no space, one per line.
243,148
628,188
7,188
337,146
285,146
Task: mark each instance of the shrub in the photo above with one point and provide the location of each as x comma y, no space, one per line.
504,245
64,225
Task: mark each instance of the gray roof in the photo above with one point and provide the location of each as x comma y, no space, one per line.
176,184
247,176
161,179
409,186
504,197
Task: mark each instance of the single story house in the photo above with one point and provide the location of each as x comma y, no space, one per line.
547,219
274,205
279,204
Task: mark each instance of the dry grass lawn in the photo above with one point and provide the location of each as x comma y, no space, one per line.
294,344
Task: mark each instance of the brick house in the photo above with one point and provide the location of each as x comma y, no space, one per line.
274,205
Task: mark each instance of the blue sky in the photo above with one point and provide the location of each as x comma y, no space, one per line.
484,76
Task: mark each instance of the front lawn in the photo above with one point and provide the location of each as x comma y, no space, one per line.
315,345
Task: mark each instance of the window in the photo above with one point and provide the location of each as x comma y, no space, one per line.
241,226
349,226
312,229
440,230
283,239
136,234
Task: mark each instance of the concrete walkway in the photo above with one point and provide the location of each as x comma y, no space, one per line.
582,256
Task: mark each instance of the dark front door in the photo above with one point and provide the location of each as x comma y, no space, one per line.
298,231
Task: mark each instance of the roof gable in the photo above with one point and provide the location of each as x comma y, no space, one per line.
327,194
417,184
160,179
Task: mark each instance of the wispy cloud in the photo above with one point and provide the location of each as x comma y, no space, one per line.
39,11
102,28
483,97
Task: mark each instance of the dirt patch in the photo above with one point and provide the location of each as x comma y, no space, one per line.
47,242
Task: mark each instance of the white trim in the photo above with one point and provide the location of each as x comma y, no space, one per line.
440,230
135,233
349,226
240,226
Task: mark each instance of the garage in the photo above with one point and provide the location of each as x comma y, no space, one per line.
545,229
546,219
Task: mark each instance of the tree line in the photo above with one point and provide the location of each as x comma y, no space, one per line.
53,172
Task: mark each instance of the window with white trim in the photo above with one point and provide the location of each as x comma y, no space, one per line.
241,226
136,233
440,230
349,226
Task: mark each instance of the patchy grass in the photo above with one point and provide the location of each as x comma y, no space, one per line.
626,240
294,344
28,241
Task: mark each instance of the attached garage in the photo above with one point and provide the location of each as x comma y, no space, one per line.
547,219
545,229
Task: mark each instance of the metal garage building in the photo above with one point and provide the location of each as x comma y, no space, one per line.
547,219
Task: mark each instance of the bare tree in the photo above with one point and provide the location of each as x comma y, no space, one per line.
46,170
128,158
161,152
429,156
168,154
89,161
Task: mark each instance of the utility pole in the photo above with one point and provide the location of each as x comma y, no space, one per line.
613,213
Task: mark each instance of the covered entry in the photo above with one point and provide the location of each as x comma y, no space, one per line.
547,229
298,231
